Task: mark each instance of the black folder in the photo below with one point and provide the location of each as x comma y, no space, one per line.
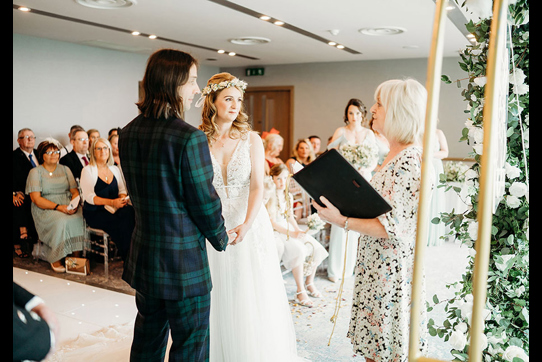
333,177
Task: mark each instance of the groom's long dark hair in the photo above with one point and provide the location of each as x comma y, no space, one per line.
167,70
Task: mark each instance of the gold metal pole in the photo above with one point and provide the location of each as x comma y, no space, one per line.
485,204
434,70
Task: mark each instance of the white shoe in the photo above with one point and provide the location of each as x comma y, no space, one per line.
58,269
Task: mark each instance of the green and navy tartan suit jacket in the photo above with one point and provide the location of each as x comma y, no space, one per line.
168,171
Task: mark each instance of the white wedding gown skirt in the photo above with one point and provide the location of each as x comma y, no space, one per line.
250,318
250,315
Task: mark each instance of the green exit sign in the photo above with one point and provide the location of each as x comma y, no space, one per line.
254,71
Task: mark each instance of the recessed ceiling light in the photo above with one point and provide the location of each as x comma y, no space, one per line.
340,46
250,40
382,30
265,17
24,8
332,43
107,4
279,23
231,54
152,36
135,33
221,51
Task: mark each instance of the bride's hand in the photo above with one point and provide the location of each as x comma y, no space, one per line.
237,234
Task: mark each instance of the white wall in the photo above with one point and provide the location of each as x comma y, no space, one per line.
58,84
322,90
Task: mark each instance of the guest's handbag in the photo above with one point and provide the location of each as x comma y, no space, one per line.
80,266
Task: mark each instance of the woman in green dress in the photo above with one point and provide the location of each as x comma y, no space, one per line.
52,187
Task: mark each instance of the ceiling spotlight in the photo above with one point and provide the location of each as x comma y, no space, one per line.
340,46
265,17
279,23
231,54
382,30
107,4
221,51
152,36
332,43
250,40
135,33
24,8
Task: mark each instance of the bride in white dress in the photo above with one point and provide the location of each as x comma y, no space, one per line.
250,316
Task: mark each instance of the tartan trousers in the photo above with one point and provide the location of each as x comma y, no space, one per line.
188,320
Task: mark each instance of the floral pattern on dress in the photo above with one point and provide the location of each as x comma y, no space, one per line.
380,320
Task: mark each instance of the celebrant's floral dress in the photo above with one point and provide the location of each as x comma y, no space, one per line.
380,321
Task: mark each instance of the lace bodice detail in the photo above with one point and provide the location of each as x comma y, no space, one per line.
237,172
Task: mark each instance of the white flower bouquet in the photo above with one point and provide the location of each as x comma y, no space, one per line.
314,222
360,156
455,171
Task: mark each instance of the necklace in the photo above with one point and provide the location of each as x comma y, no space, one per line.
105,172
50,172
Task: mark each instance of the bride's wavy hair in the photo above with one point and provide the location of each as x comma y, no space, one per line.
240,127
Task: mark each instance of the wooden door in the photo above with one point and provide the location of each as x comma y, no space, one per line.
269,107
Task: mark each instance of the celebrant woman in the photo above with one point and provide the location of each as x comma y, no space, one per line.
381,303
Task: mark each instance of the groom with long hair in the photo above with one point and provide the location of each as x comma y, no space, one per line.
168,171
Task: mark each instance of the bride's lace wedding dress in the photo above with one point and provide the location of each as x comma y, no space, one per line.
250,318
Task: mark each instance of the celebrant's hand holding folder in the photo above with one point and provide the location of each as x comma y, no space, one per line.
333,177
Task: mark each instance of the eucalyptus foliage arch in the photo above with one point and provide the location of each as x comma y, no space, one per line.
506,335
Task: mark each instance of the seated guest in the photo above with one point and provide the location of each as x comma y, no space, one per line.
114,141
315,142
302,153
104,191
273,144
24,159
52,187
78,157
291,241
113,131
68,148
93,135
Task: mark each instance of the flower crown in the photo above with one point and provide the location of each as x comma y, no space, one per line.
219,86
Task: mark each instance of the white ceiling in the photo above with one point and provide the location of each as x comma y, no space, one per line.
210,24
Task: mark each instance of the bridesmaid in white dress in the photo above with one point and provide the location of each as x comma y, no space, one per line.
353,132
250,317
438,199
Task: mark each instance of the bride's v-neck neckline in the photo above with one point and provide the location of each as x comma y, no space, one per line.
224,181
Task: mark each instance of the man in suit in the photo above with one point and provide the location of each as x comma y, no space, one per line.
24,159
78,157
35,327
167,166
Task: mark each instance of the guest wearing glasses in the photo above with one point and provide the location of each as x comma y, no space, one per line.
105,198
78,157
24,159
52,188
